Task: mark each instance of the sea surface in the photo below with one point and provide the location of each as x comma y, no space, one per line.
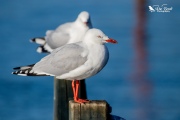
141,80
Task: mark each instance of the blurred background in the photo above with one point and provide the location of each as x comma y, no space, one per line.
141,80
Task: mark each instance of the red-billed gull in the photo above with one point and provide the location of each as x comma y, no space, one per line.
66,33
75,61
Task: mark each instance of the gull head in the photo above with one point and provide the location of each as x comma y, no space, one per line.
84,18
98,37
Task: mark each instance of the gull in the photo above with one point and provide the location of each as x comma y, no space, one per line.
75,61
66,33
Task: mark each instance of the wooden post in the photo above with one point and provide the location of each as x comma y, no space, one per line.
93,110
62,94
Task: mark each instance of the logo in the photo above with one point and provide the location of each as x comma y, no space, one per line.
157,8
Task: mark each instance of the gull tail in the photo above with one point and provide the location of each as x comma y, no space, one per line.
38,40
26,71
44,49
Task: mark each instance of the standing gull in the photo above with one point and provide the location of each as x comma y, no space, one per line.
74,61
70,32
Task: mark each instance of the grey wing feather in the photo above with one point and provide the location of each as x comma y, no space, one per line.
58,37
62,60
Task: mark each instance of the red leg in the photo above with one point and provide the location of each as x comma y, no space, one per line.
74,88
77,86
75,91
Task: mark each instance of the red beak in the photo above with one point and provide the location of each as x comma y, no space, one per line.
85,23
110,40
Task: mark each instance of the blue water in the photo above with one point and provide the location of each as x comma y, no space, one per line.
145,95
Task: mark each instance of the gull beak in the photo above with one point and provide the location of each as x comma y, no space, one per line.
110,40
86,23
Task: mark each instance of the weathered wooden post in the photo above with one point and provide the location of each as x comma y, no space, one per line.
66,109
62,94
93,110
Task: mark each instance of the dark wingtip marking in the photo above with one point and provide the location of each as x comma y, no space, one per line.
34,39
41,49
18,68
22,73
13,73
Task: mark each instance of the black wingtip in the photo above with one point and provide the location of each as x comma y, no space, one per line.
33,40
16,68
38,40
41,49
23,67
12,73
16,73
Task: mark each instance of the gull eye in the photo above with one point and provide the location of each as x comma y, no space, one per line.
99,36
